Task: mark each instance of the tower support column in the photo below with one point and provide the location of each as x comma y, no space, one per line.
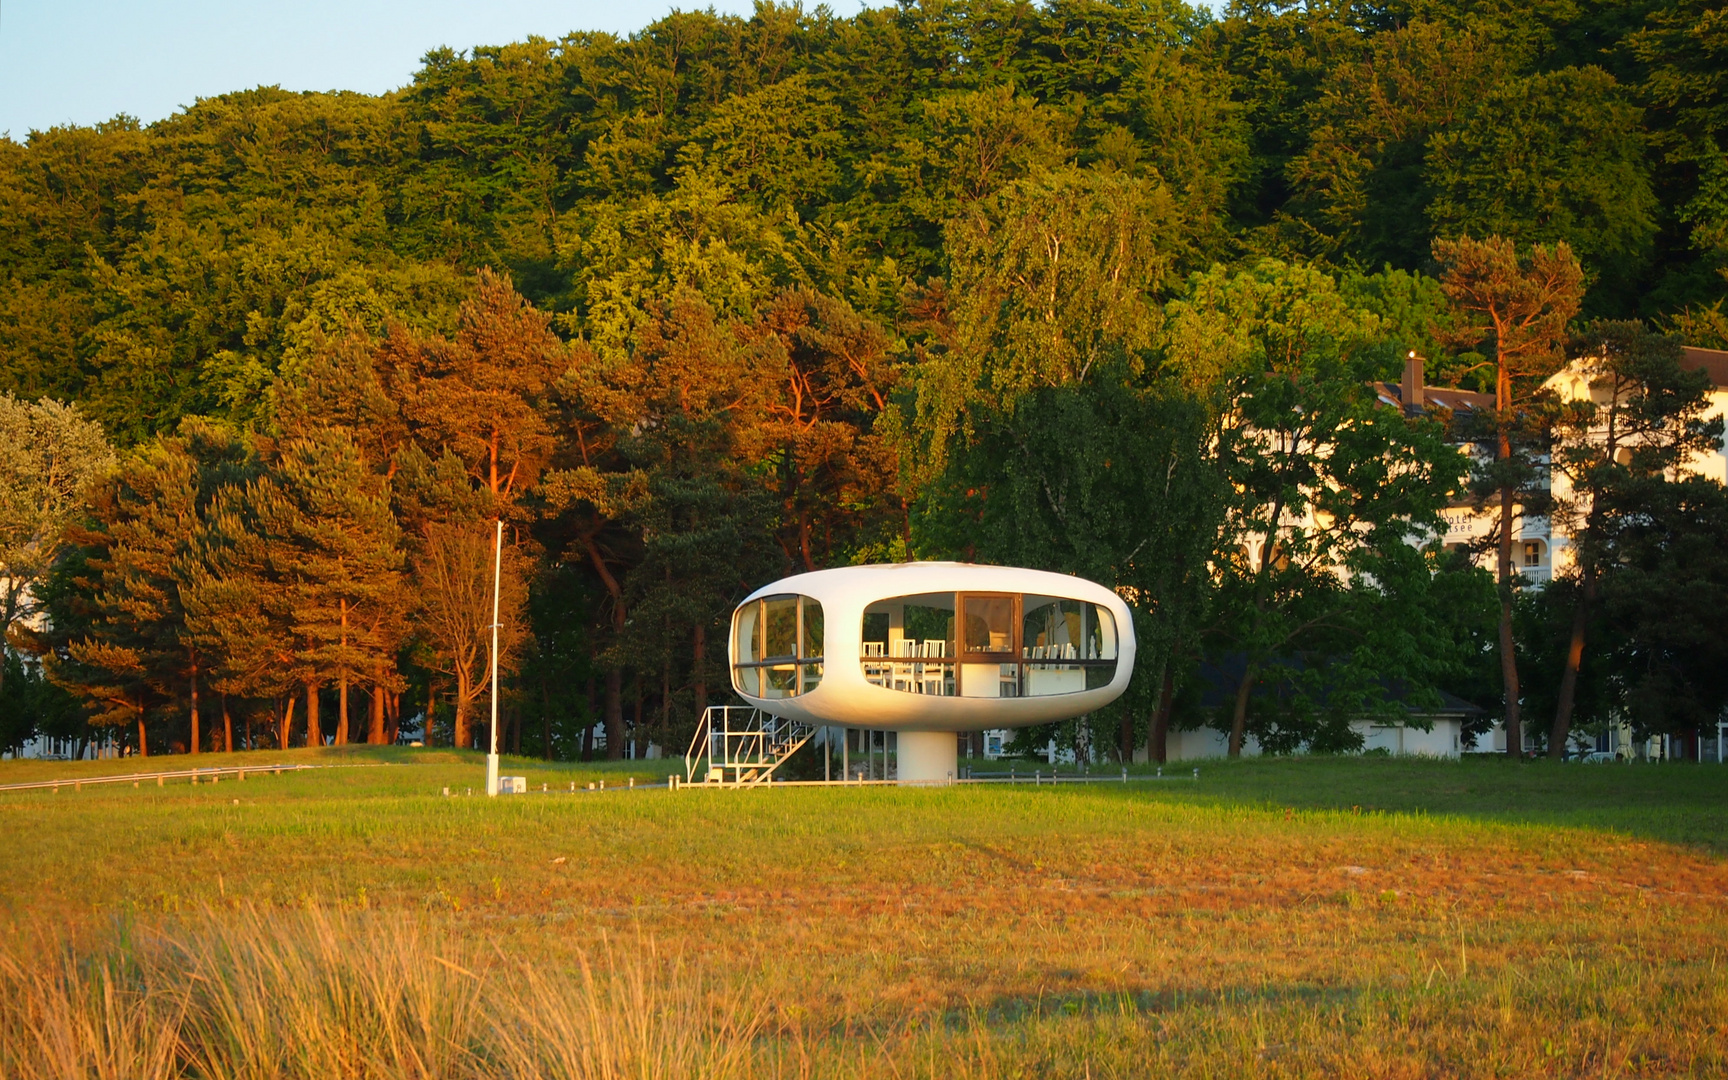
928,756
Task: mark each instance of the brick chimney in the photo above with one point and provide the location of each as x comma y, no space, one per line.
1410,391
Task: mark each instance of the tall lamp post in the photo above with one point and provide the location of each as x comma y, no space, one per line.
497,568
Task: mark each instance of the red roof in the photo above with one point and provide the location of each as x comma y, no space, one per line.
1446,397
1713,361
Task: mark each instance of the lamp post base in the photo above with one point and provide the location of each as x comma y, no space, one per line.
491,774
928,756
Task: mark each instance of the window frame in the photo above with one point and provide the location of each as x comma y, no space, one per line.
963,655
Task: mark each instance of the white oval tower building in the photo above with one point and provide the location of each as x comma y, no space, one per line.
930,650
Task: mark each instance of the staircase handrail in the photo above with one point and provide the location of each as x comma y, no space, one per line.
691,757
764,742
715,717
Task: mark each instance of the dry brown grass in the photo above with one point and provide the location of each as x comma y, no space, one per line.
313,995
63,1015
271,995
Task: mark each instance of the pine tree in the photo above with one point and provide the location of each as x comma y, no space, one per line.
136,657
1638,419
479,400
339,387
1519,305
236,603
298,580
345,553
482,395
334,546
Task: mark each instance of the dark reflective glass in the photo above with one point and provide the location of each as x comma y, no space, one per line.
771,652
748,644
812,628
989,624
782,637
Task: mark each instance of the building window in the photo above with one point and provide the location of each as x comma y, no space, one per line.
909,644
988,645
778,644
1532,553
1076,642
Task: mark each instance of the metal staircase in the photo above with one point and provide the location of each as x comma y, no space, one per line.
741,746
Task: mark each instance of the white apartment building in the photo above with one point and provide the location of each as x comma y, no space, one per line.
1540,551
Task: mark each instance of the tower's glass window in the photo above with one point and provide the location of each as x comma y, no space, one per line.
990,624
988,645
777,642
908,644
1070,645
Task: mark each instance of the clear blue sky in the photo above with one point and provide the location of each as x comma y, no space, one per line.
82,61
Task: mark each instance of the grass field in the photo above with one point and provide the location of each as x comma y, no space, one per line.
1295,917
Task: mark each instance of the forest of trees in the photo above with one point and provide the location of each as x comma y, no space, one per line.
1097,286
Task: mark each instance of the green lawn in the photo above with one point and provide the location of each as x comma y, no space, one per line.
1280,917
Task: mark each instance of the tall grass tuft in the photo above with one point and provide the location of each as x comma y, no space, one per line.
268,995
617,1021
317,994
93,1017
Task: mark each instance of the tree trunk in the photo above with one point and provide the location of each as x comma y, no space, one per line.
1239,718
314,726
588,728
1574,659
375,716
1508,655
342,686
342,711
227,728
699,646
614,677
287,728
545,719
1125,737
197,735
464,723
143,743
392,716
615,715
1503,567
636,727
1158,738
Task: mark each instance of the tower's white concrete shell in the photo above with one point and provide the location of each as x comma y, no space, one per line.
1019,647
